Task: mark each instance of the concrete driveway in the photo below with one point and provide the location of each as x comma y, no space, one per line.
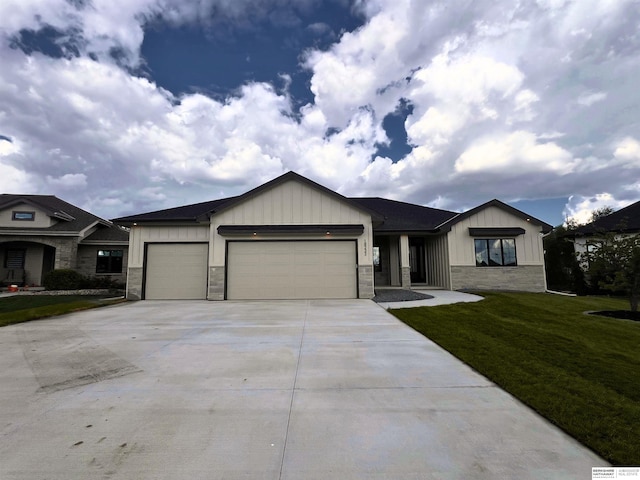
258,390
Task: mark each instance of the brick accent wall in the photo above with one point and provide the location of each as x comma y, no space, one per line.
134,283
216,283
525,278
365,281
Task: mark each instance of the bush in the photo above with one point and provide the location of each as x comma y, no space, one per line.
63,279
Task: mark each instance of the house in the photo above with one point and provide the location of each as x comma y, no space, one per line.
39,233
293,238
625,221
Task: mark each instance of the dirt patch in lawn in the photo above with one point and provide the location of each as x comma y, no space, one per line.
622,314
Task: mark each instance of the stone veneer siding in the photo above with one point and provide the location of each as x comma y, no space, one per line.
365,281
66,248
134,283
87,259
216,283
406,277
525,278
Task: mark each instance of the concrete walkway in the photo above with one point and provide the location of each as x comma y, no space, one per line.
440,297
258,390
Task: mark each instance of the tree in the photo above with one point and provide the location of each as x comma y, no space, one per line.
601,212
561,265
614,263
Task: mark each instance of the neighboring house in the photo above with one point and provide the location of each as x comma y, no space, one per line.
625,221
39,233
293,238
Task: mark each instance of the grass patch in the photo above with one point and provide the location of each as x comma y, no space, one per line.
22,308
579,371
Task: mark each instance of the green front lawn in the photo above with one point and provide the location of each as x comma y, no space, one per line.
581,372
22,308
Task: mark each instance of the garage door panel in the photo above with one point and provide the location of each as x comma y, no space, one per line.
290,270
176,271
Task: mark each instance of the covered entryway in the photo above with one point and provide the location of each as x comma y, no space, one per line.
263,270
176,271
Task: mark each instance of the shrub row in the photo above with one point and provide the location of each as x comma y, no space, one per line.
65,279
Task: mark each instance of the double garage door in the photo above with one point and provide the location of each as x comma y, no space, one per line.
255,270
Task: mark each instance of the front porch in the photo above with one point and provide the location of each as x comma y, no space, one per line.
411,261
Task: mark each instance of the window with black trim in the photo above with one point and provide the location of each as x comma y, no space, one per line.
377,266
14,258
109,261
23,216
495,252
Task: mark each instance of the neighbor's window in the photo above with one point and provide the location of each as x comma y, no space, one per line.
14,258
109,261
377,266
28,216
495,252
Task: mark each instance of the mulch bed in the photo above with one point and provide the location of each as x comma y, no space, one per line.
622,314
398,295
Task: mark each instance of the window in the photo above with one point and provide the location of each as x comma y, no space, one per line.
109,261
23,216
495,252
377,266
14,258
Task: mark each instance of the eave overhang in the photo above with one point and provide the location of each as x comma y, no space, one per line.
496,231
322,229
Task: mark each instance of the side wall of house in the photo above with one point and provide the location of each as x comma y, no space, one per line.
527,275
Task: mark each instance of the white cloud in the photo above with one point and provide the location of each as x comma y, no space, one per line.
495,108
70,180
517,152
588,99
628,149
580,208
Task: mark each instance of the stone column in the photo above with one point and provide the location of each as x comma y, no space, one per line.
405,268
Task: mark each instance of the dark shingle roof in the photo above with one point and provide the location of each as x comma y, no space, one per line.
192,212
108,234
405,217
201,211
626,219
72,218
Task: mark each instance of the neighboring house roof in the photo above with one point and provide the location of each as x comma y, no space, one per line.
72,219
626,219
405,217
446,226
114,234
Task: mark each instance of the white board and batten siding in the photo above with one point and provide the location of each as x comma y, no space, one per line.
529,249
174,259
292,203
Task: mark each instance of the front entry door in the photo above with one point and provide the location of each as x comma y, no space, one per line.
417,260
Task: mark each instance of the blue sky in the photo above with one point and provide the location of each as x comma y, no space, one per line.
128,106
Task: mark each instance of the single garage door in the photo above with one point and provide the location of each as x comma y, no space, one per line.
176,271
291,270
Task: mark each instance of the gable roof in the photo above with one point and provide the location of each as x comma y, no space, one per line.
405,217
388,216
72,219
626,219
202,211
446,226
